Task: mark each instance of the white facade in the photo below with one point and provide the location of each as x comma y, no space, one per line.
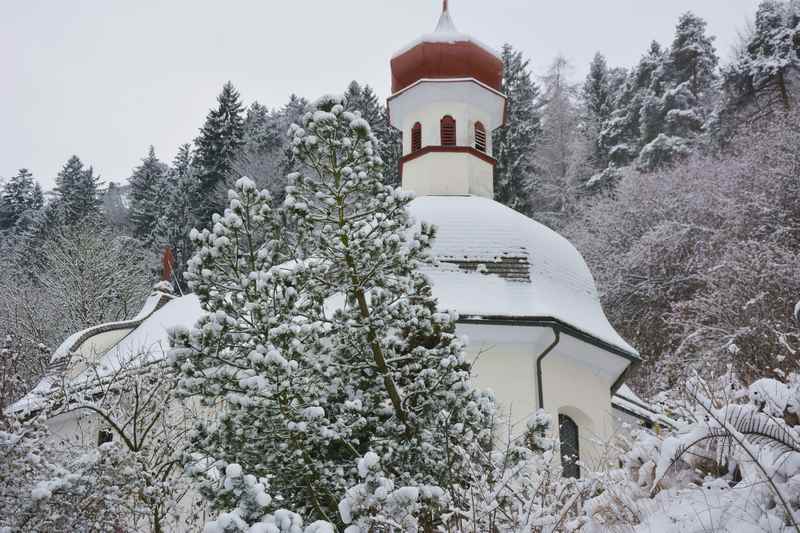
458,171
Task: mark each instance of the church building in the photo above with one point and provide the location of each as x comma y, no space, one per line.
526,300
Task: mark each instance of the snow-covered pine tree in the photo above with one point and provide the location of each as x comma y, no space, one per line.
678,104
597,97
147,201
620,136
364,100
597,94
18,195
693,58
115,208
262,156
328,351
218,145
77,188
290,114
515,173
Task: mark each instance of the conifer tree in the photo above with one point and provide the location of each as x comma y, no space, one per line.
597,101
620,136
220,141
763,77
597,90
290,114
147,198
115,209
262,156
514,145
693,59
678,103
178,216
18,195
327,346
77,188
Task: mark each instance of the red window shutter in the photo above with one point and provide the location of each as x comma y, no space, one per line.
480,137
416,137
448,131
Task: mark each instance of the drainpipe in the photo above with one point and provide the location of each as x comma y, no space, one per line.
545,353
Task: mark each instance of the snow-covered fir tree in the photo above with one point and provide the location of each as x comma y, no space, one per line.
263,155
218,145
17,196
597,97
328,347
115,208
147,196
77,191
597,90
514,144
680,98
620,134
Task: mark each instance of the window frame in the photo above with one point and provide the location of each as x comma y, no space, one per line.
447,131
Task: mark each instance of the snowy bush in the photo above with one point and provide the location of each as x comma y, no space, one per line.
48,487
697,264
735,466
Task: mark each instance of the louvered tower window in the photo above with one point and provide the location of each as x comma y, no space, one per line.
568,433
448,131
480,137
416,137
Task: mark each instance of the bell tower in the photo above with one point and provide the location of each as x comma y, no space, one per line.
447,101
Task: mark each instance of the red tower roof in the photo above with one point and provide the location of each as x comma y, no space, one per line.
446,53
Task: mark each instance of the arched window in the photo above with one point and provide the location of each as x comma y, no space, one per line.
480,137
416,137
570,452
448,131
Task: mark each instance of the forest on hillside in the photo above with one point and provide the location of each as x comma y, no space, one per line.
677,178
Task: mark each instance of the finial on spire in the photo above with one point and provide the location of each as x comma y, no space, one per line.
445,24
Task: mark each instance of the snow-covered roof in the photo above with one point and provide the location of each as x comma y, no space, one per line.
446,32
60,359
481,246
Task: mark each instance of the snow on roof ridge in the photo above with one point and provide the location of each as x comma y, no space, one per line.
59,360
446,24
446,32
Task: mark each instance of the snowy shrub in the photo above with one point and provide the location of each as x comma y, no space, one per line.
52,488
734,467
697,264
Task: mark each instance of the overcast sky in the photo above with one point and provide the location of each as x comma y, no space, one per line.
105,79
